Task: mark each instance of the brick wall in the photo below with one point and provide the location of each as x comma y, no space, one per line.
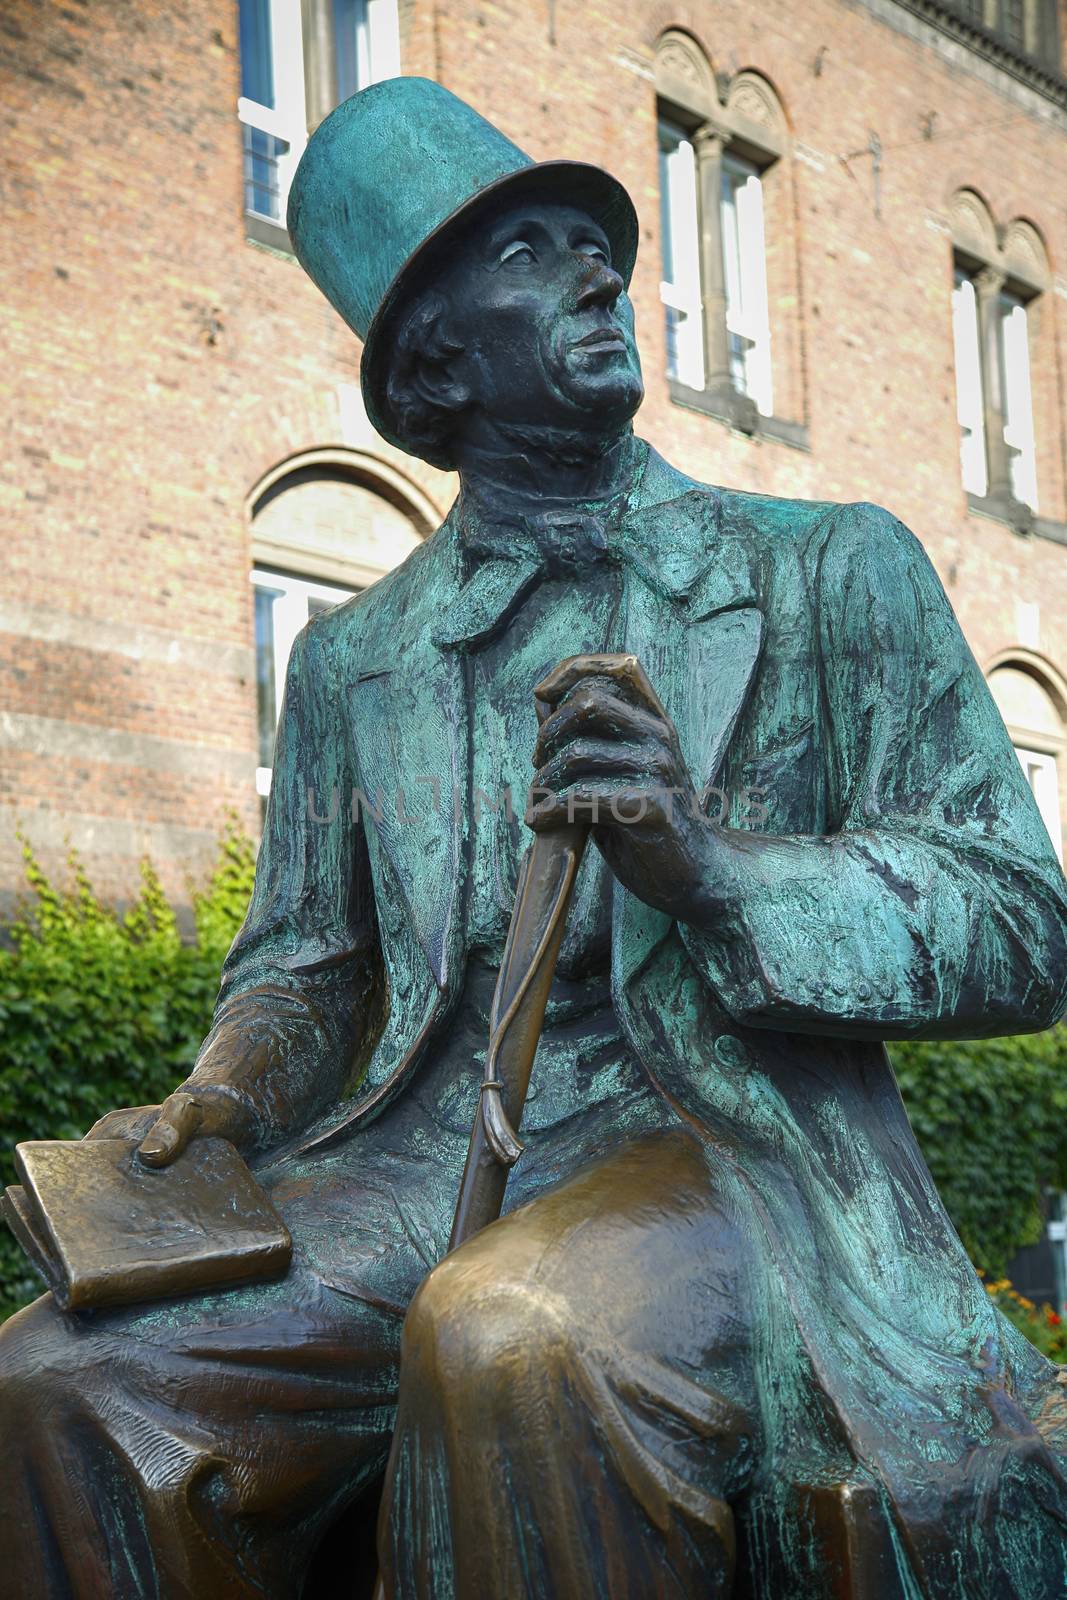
157,365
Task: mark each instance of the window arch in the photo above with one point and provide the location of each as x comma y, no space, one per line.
726,235
324,525
1034,707
1001,274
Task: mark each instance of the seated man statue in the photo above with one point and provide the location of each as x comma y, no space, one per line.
724,1341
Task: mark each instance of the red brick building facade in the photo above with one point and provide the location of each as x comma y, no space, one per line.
182,406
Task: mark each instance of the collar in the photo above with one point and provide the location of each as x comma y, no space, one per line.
681,546
498,559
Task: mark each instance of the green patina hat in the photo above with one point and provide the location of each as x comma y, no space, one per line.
397,170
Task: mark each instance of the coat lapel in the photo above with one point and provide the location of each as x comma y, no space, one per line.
409,721
692,617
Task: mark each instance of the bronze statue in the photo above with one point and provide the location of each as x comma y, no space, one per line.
724,1340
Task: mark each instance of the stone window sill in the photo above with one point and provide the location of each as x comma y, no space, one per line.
1017,516
270,235
739,412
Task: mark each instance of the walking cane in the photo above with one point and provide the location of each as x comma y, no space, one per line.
542,900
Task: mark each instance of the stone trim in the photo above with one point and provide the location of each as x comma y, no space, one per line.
1017,516
737,411
191,652
85,741
1043,79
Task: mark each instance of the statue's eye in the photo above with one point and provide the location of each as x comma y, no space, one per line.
518,253
595,252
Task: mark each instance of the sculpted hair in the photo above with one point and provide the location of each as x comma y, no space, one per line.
422,418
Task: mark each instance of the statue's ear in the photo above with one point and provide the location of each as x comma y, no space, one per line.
439,381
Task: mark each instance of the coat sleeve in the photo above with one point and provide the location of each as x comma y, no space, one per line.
934,906
299,983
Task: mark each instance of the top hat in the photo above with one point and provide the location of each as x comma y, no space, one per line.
385,183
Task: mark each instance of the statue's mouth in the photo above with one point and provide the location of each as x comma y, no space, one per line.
601,339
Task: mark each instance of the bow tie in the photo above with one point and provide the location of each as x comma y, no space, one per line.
504,559
562,543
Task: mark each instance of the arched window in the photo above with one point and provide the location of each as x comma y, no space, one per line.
1000,276
1035,722
723,225
323,528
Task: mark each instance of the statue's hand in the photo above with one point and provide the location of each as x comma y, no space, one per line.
162,1132
609,753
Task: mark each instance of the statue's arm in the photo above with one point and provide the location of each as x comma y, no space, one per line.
935,906
299,983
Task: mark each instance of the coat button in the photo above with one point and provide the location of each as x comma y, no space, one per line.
730,1051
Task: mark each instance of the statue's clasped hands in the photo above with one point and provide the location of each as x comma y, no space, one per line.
607,754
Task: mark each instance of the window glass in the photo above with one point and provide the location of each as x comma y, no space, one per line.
969,407
266,685
680,234
1018,400
257,65
1013,22
264,158
273,107
1042,776
745,267
283,602
352,47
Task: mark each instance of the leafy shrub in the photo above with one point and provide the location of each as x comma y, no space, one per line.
99,1010
991,1117
1041,1325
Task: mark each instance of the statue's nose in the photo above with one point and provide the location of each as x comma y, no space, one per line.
600,285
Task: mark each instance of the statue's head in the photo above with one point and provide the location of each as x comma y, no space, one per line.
490,291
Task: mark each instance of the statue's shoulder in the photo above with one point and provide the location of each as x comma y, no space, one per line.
758,517
384,613
799,531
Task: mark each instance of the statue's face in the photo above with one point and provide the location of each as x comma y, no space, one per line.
545,322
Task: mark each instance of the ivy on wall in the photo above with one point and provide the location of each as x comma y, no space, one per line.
99,1010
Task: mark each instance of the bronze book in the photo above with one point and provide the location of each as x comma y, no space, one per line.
103,1229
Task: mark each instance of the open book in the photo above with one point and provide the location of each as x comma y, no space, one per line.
104,1229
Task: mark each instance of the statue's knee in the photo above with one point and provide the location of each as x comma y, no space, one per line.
481,1336
33,1344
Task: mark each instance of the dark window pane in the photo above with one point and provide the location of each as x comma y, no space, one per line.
257,66
266,703
1012,22
351,46
262,194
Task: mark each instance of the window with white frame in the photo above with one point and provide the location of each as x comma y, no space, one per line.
745,270
970,408
281,59
1042,775
680,235
284,603
720,169
1018,398
1034,721
991,336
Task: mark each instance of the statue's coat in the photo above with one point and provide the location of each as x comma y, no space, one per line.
817,676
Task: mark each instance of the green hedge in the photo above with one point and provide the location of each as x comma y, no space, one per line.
991,1117
99,1011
